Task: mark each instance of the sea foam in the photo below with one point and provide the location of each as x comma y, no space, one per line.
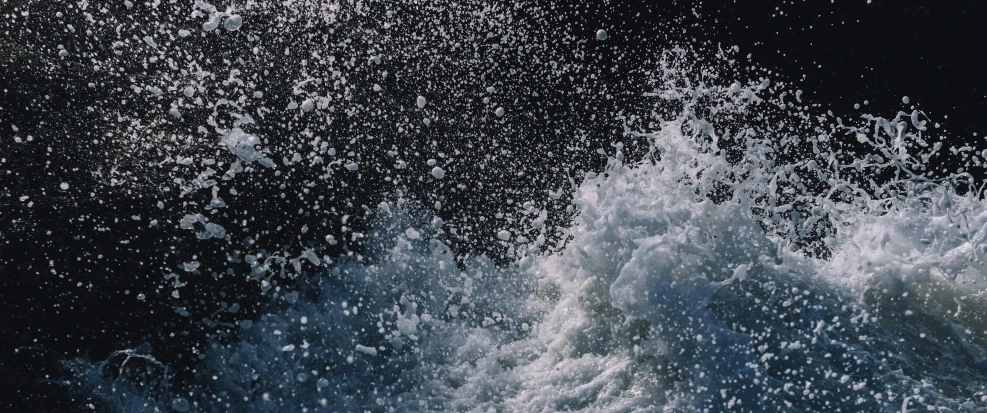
737,266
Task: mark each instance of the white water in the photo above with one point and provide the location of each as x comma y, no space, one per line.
662,301
686,286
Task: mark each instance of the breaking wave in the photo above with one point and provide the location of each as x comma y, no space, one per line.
739,251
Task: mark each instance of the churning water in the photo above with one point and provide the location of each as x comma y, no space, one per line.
733,248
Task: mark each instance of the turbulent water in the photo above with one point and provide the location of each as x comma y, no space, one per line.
732,248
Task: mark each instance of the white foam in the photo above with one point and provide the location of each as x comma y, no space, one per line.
245,146
687,284
370,351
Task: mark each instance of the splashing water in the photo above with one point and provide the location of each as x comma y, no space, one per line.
737,252
683,288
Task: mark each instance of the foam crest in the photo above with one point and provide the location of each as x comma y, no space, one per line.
731,269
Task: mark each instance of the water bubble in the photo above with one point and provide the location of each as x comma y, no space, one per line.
601,34
905,100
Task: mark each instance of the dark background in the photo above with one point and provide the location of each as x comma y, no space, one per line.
840,54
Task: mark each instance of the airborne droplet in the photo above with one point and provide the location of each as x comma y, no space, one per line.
438,172
233,22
